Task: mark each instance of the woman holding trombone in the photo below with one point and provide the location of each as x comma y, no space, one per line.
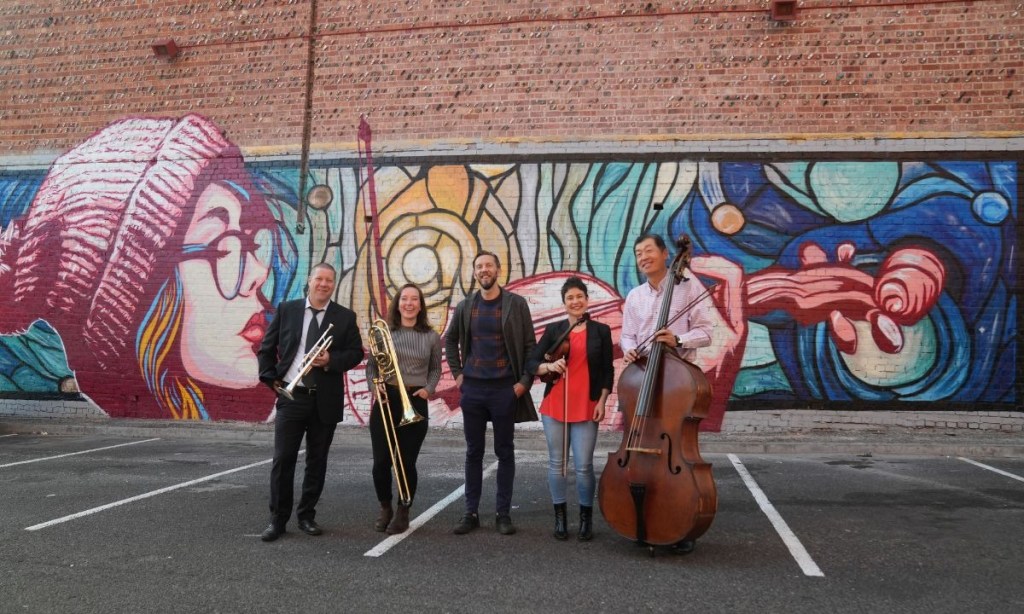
574,357
405,367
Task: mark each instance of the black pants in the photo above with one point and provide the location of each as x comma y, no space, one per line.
483,402
410,440
294,420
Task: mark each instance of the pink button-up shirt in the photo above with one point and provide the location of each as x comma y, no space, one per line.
640,315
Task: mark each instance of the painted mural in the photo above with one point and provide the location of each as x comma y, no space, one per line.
140,269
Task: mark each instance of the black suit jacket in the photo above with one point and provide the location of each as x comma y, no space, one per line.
281,344
599,354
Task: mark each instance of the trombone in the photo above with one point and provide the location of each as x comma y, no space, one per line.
382,348
307,362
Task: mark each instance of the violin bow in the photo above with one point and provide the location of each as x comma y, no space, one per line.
642,346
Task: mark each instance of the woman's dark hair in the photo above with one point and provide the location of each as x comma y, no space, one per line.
574,282
395,318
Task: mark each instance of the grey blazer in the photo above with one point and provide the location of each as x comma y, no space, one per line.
517,325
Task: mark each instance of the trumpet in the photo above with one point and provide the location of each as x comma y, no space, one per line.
321,345
382,348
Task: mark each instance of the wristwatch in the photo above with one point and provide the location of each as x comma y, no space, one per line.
679,341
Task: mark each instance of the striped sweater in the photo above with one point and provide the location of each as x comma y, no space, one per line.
419,358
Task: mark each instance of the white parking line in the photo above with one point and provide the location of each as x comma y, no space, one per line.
796,549
423,518
11,435
152,493
120,445
999,471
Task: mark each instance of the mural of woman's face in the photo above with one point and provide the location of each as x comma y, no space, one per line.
223,316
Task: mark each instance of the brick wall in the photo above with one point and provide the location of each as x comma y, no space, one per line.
487,70
525,103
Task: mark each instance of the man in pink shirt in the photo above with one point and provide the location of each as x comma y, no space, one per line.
640,314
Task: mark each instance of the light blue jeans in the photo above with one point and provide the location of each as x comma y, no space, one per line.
582,439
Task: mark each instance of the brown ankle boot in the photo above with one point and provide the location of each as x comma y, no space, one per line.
385,517
401,520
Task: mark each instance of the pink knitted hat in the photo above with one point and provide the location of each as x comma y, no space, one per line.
85,252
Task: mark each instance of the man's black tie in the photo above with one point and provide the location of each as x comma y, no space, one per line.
312,335
313,330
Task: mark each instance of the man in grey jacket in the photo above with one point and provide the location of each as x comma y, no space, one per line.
488,340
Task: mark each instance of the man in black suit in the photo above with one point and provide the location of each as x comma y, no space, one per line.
319,398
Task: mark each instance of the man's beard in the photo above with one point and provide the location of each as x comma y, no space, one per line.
487,285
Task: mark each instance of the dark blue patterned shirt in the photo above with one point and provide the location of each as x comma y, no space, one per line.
488,357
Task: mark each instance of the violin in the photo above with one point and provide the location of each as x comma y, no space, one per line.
560,349
655,488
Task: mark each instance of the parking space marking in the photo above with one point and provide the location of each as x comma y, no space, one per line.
45,458
796,549
11,435
990,468
423,518
146,495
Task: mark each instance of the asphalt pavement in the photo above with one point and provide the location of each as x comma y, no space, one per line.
154,516
862,439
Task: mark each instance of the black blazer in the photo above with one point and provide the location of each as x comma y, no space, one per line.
281,344
599,354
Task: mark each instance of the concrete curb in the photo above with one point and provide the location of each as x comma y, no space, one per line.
891,441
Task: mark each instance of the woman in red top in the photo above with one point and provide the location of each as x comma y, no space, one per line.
574,403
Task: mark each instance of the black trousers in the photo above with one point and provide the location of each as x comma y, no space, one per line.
410,440
295,420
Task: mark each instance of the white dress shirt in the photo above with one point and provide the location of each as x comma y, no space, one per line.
307,313
640,315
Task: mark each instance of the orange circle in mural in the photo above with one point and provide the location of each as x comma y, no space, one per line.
727,219
320,197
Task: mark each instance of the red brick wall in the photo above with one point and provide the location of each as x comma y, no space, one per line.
490,70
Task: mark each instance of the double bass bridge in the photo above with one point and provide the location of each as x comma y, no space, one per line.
655,451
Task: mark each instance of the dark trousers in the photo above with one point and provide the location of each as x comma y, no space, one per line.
410,440
294,420
480,404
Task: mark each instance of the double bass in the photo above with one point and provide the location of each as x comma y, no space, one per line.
656,489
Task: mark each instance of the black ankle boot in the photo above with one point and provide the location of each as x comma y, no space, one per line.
561,530
586,523
386,513
400,522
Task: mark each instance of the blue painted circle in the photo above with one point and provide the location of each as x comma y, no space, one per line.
990,207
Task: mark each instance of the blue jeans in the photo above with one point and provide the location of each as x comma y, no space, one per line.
481,404
582,439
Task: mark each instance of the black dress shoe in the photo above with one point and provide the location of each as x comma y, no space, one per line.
310,527
468,523
272,532
683,547
503,523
